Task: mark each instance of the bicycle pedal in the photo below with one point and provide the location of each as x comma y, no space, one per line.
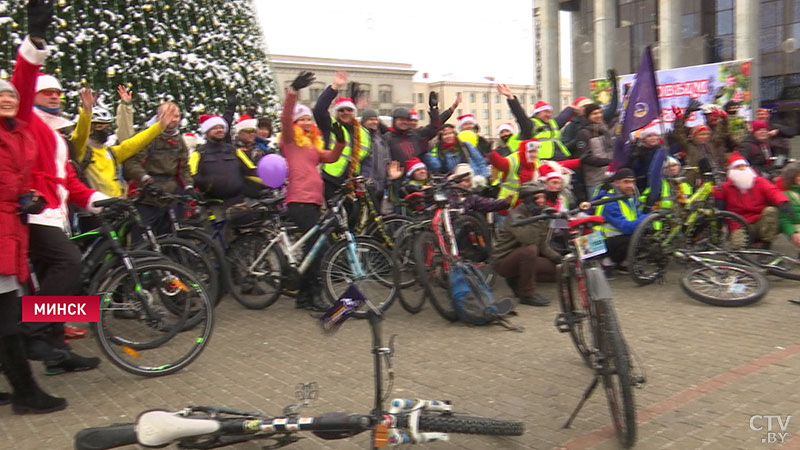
565,321
638,381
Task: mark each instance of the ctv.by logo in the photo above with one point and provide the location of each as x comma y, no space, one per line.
773,424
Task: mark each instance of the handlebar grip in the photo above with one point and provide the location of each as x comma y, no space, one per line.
101,438
107,202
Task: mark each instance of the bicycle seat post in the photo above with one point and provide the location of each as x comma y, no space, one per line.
374,319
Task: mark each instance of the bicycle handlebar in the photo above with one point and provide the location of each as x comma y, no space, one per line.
567,214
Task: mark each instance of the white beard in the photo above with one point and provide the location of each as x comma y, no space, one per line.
742,179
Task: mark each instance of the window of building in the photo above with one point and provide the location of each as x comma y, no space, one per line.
365,89
385,112
485,114
485,98
509,116
422,115
690,26
473,112
315,91
724,22
420,98
533,100
385,93
459,112
497,114
472,97
497,98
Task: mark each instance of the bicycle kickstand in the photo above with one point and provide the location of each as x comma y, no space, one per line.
586,394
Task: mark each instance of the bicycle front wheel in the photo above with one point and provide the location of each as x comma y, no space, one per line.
724,284
404,273
255,284
616,373
646,253
448,423
157,327
574,317
431,274
377,280
774,263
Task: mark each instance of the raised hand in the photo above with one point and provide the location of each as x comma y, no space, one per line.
394,171
338,131
166,114
503,89
457,102
694,105
303,80
124,94
88,98
40,15
339,80
433,100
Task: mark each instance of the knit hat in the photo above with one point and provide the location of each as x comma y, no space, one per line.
460,170
541,106
697,129
401,113
413,114
465,119
547,172
300,111
505,126
736,160
622,174
207,122
590,108
47,82
368,114
759,125
245,122
582,101
530,144
344,102
412,165
5,86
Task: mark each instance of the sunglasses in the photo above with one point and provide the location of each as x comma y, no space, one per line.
346,110
248,130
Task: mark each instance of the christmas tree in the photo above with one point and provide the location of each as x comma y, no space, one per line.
192,52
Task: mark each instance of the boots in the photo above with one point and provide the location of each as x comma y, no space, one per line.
303,299
27,396
317,304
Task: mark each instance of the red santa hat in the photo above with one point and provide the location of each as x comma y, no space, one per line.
530,144
465,119
207,122
245,122
736,160
547,172
413,114
505,126
759,125
581,101
412,165
344,102
649,131
541,106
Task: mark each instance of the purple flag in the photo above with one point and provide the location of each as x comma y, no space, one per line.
640,107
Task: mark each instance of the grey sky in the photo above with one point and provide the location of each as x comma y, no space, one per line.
469,38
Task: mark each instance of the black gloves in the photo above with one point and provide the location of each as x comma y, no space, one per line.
40,14
433,100
232,98
338,131
303,80
484,146
31,203
694,105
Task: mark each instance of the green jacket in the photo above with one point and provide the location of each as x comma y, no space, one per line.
512,238
788,226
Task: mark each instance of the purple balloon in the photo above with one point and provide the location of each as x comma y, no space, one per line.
272,170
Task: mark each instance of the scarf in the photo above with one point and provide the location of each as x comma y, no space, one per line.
311,139
356,149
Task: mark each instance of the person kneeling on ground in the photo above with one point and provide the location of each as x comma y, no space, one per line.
754,198
521,254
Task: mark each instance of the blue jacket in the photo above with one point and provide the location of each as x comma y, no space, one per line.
614,217
446,163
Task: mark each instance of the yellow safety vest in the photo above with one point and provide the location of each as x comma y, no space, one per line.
629,211
666,197
337,169
510,186
548,138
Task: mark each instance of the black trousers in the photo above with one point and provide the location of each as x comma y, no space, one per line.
618,247
155,216
10,314
305,216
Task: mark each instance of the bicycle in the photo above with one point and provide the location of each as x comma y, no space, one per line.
688,226
370,221
155,316
275,259
721,283
405,422
585,300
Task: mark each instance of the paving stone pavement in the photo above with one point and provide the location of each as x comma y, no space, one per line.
709,371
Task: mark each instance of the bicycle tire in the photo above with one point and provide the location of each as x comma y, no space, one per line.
180,282
617,380
250,290
575,317
391,224
448,423
405,273
720,229
185,253
377,286
729,294
214,251
428,262
475,231
774,263
102,438
644,248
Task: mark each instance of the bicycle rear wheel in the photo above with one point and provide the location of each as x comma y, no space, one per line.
185,253
616,373
391,224
574,318
214,251
448,423
717,228
431,274
257,287
724,284
377,284
157,327
411,299
646,254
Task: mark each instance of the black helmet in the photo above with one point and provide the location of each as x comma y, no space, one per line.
530,188
401,113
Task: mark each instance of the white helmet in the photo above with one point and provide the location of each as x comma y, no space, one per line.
101,115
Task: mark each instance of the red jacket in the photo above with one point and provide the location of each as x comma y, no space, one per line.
53,175
17,155
750,204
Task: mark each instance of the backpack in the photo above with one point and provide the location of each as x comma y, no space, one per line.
473,300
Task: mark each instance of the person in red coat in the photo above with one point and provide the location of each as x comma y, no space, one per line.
17,157
54,257
754,198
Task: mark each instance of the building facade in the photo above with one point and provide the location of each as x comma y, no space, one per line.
389,85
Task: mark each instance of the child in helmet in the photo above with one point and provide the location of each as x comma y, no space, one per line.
673,187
